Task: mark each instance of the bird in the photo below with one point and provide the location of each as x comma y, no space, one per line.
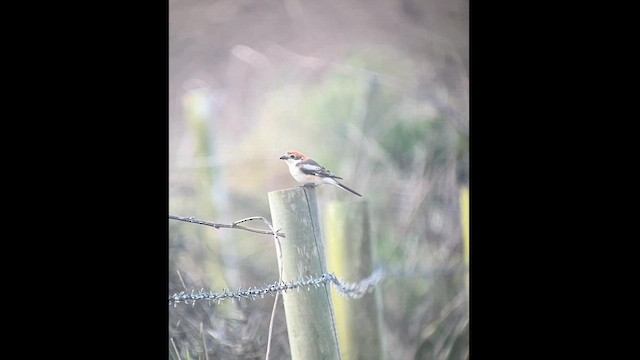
309,173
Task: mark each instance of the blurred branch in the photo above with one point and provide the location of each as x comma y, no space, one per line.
457,327
233,225
175,349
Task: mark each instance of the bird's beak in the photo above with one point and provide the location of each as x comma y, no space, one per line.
283,157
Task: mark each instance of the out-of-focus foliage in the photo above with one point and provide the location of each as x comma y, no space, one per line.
377,92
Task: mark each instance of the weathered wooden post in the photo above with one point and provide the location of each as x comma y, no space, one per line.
464,210
350,258
309,314
196,105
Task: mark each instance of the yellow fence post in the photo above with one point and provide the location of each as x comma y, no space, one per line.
350,258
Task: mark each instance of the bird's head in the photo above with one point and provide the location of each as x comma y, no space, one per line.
293,156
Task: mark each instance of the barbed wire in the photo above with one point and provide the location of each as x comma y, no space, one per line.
427,273
352,290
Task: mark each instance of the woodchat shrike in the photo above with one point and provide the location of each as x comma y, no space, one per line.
309,173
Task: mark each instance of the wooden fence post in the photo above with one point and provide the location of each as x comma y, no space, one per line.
309,314
350,258
464,210
195,105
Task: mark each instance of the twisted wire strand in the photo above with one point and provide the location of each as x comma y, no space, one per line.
353,290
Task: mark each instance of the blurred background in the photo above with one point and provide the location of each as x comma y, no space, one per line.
375,90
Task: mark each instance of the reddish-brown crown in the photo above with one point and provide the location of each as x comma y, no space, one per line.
297,154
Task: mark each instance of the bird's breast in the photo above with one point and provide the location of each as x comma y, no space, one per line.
303,178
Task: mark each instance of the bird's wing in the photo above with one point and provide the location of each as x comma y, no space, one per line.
311,167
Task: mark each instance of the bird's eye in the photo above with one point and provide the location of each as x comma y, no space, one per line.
292,156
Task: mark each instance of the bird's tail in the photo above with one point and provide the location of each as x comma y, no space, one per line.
346,188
